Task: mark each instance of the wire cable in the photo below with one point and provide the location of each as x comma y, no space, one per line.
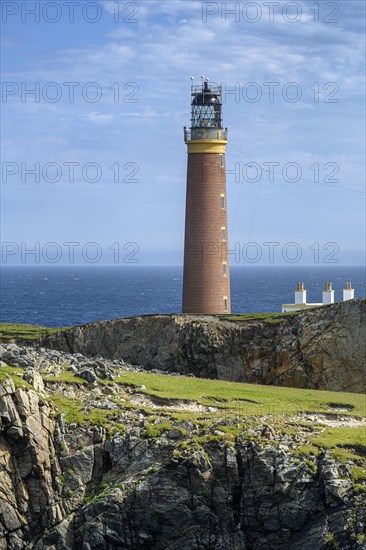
305,179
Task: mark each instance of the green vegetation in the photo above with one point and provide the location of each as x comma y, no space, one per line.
66,377
23,331
360,488
332,541
307,450
98,493
155,430
311,466
232,431
358,474
241,399
16,374
75,412
227,400
345,443
266,317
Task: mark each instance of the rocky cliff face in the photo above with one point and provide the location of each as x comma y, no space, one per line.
323,348
65,486
91,458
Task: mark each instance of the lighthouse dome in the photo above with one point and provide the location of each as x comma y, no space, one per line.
205,98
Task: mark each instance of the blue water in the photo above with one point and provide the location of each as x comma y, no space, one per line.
62,296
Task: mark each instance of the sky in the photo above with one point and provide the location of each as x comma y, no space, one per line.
94,160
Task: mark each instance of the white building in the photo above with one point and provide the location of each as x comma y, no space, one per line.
328,294
348,292
328,297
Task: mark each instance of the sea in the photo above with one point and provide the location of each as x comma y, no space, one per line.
64,296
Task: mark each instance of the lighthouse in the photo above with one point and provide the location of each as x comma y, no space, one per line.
206,276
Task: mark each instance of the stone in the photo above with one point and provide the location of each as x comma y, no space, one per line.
35,379
109,390
73,369
174,434
9,358
104,404
87,374
269,432
14,433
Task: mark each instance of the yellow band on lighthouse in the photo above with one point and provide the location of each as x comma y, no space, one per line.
207,146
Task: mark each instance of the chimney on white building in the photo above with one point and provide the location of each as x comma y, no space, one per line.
348,292
300,294
328,294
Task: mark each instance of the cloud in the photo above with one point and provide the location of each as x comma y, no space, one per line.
158,54
98,118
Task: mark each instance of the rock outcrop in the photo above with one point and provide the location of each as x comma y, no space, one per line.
92,458
323,348
222,498
66,487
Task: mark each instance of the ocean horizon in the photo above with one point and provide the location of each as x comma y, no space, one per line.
63,296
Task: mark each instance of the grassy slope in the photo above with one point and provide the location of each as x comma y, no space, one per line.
247,399
16,374
23,331
229,399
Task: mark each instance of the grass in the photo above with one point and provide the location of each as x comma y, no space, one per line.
249,400
66,377
345,443
75,412
267,317
358,473
16,374
240,398
155,430
23,331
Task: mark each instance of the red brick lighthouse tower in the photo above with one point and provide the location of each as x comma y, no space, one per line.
206,278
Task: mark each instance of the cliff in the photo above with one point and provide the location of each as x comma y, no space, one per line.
96,463
102,449
323,348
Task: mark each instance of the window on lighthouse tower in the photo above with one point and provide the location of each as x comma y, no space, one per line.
223,234
222,201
